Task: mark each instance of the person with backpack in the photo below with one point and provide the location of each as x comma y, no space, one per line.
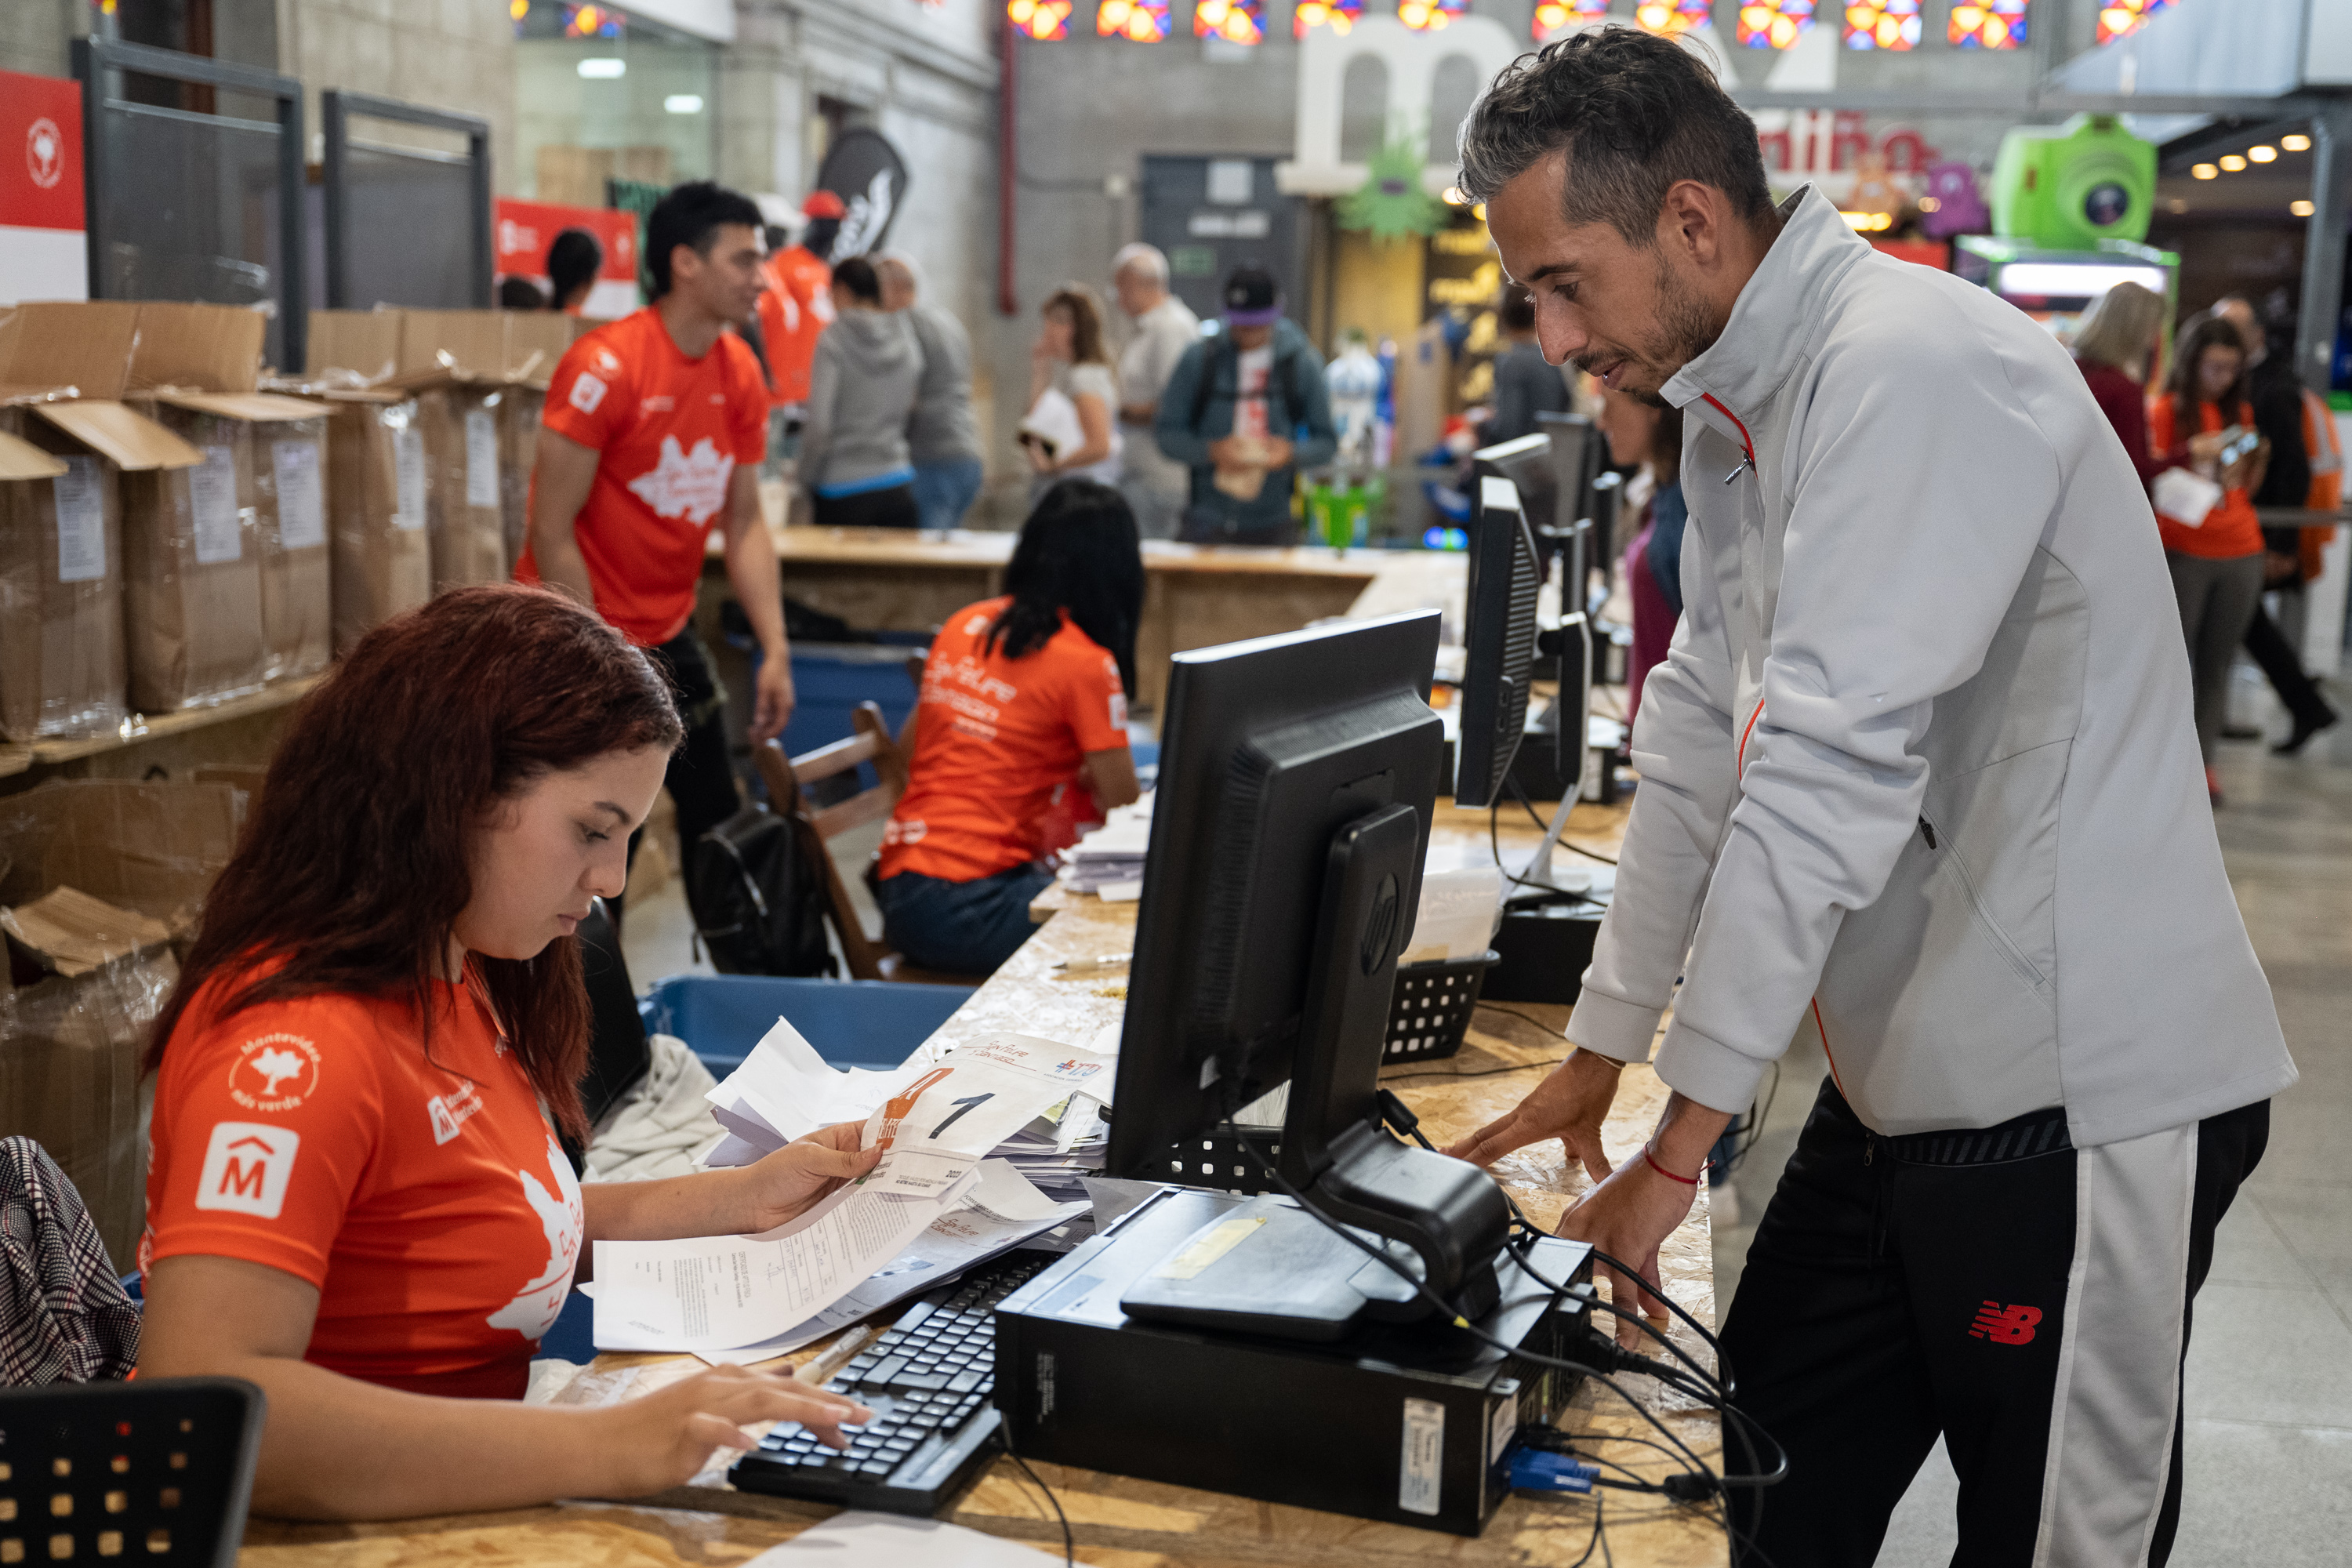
1024,701
1244,411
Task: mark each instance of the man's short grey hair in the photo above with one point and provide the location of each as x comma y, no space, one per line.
1634,114
904,263
1148,259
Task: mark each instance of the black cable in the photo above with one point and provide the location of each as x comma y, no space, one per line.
1482,1072
1069,1544
1495,847
1523,1017
1537,818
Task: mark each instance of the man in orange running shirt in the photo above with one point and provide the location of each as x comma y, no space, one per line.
797,305
654,430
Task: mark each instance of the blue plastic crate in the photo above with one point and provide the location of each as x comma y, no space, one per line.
852,1023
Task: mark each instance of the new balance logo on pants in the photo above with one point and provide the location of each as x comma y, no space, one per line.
2005,1325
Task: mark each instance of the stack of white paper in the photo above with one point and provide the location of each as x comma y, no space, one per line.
938,1117
1112,855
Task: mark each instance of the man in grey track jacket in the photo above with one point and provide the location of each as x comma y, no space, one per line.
1918,775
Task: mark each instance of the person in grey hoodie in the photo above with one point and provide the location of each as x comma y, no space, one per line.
1917,777
854,457
942,434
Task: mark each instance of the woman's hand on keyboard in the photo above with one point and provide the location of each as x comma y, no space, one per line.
785,1183
664,1438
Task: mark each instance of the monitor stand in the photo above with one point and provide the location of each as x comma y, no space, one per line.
1272,1269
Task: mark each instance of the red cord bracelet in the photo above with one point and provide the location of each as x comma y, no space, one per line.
1686,1180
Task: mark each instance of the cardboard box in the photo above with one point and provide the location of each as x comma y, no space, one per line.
64,369
71,1045
464,520
61,653
378,499
200,365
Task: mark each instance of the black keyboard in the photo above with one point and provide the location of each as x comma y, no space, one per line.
928,1381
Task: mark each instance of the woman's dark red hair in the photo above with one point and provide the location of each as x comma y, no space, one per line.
352,869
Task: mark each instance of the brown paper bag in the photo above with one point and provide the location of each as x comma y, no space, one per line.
379,486
289,463
62,669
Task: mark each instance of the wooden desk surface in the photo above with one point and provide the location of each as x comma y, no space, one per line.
1120,1522
964,549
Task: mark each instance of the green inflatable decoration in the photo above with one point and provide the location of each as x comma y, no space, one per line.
1390,204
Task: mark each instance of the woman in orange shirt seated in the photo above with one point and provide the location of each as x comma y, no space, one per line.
2204,422
357,1199
1024,698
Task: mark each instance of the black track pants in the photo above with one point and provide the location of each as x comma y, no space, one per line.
2024,1299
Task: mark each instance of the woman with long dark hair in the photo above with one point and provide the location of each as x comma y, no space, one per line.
357,1200
2205,424
1023,702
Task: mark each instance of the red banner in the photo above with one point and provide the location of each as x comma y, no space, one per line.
44,254
525,230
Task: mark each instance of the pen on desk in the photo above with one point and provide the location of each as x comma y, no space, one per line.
818,1370
1103,963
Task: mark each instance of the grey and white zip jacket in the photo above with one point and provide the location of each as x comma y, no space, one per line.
1920,767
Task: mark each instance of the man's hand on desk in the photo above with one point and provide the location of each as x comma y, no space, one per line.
664,1438
796,1177
1569,1105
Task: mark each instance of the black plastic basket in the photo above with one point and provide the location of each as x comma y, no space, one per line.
1430,1010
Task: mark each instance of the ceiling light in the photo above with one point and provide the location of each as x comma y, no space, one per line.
603,68
2232,163
2298,142
2205,172
683,103
2262,154
2301,209
1452,197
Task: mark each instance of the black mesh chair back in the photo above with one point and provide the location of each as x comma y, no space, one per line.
152,1471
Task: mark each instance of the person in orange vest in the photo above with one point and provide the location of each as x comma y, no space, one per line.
797,305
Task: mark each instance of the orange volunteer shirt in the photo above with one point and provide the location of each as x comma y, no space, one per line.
2230,530
671,430
794,310
999,738
426,1199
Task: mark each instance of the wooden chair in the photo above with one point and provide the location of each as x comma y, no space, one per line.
787,778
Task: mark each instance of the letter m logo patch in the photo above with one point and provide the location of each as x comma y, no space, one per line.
247,1168
2005,1325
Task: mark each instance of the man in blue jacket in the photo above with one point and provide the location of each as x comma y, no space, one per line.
1245,409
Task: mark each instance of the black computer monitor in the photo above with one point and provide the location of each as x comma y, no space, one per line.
1499,672
1297,778
1527,464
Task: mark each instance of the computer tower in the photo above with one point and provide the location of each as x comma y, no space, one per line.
1408,1424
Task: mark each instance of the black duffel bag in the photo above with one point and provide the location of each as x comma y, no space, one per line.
758,897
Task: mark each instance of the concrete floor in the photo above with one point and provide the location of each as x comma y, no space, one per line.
2268,1447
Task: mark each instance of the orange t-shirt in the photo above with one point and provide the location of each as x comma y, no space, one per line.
418,1187
2230,530
671,430
999,741
794,310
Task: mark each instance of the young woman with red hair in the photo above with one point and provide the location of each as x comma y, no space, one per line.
357,1200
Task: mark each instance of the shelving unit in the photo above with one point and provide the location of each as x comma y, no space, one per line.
139,728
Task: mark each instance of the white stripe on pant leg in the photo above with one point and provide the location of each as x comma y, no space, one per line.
2118,1393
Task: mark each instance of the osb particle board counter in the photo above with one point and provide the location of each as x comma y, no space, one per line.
1195,596
1120,1522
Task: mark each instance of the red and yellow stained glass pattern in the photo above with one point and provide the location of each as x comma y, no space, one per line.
1137,21
1554,17
1988,24
1235,21
1339,16
2117,18
1883,24
1048,21
1671,18
1429,15
1773,24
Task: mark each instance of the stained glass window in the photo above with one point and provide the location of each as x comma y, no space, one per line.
1235,21
1428,15
593,22
1137,21
1881,25
1554,17
1045,20
1669,18
1989,24
2117,18
1336,14
1773,24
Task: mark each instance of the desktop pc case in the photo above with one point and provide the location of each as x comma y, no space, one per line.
1408,1424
